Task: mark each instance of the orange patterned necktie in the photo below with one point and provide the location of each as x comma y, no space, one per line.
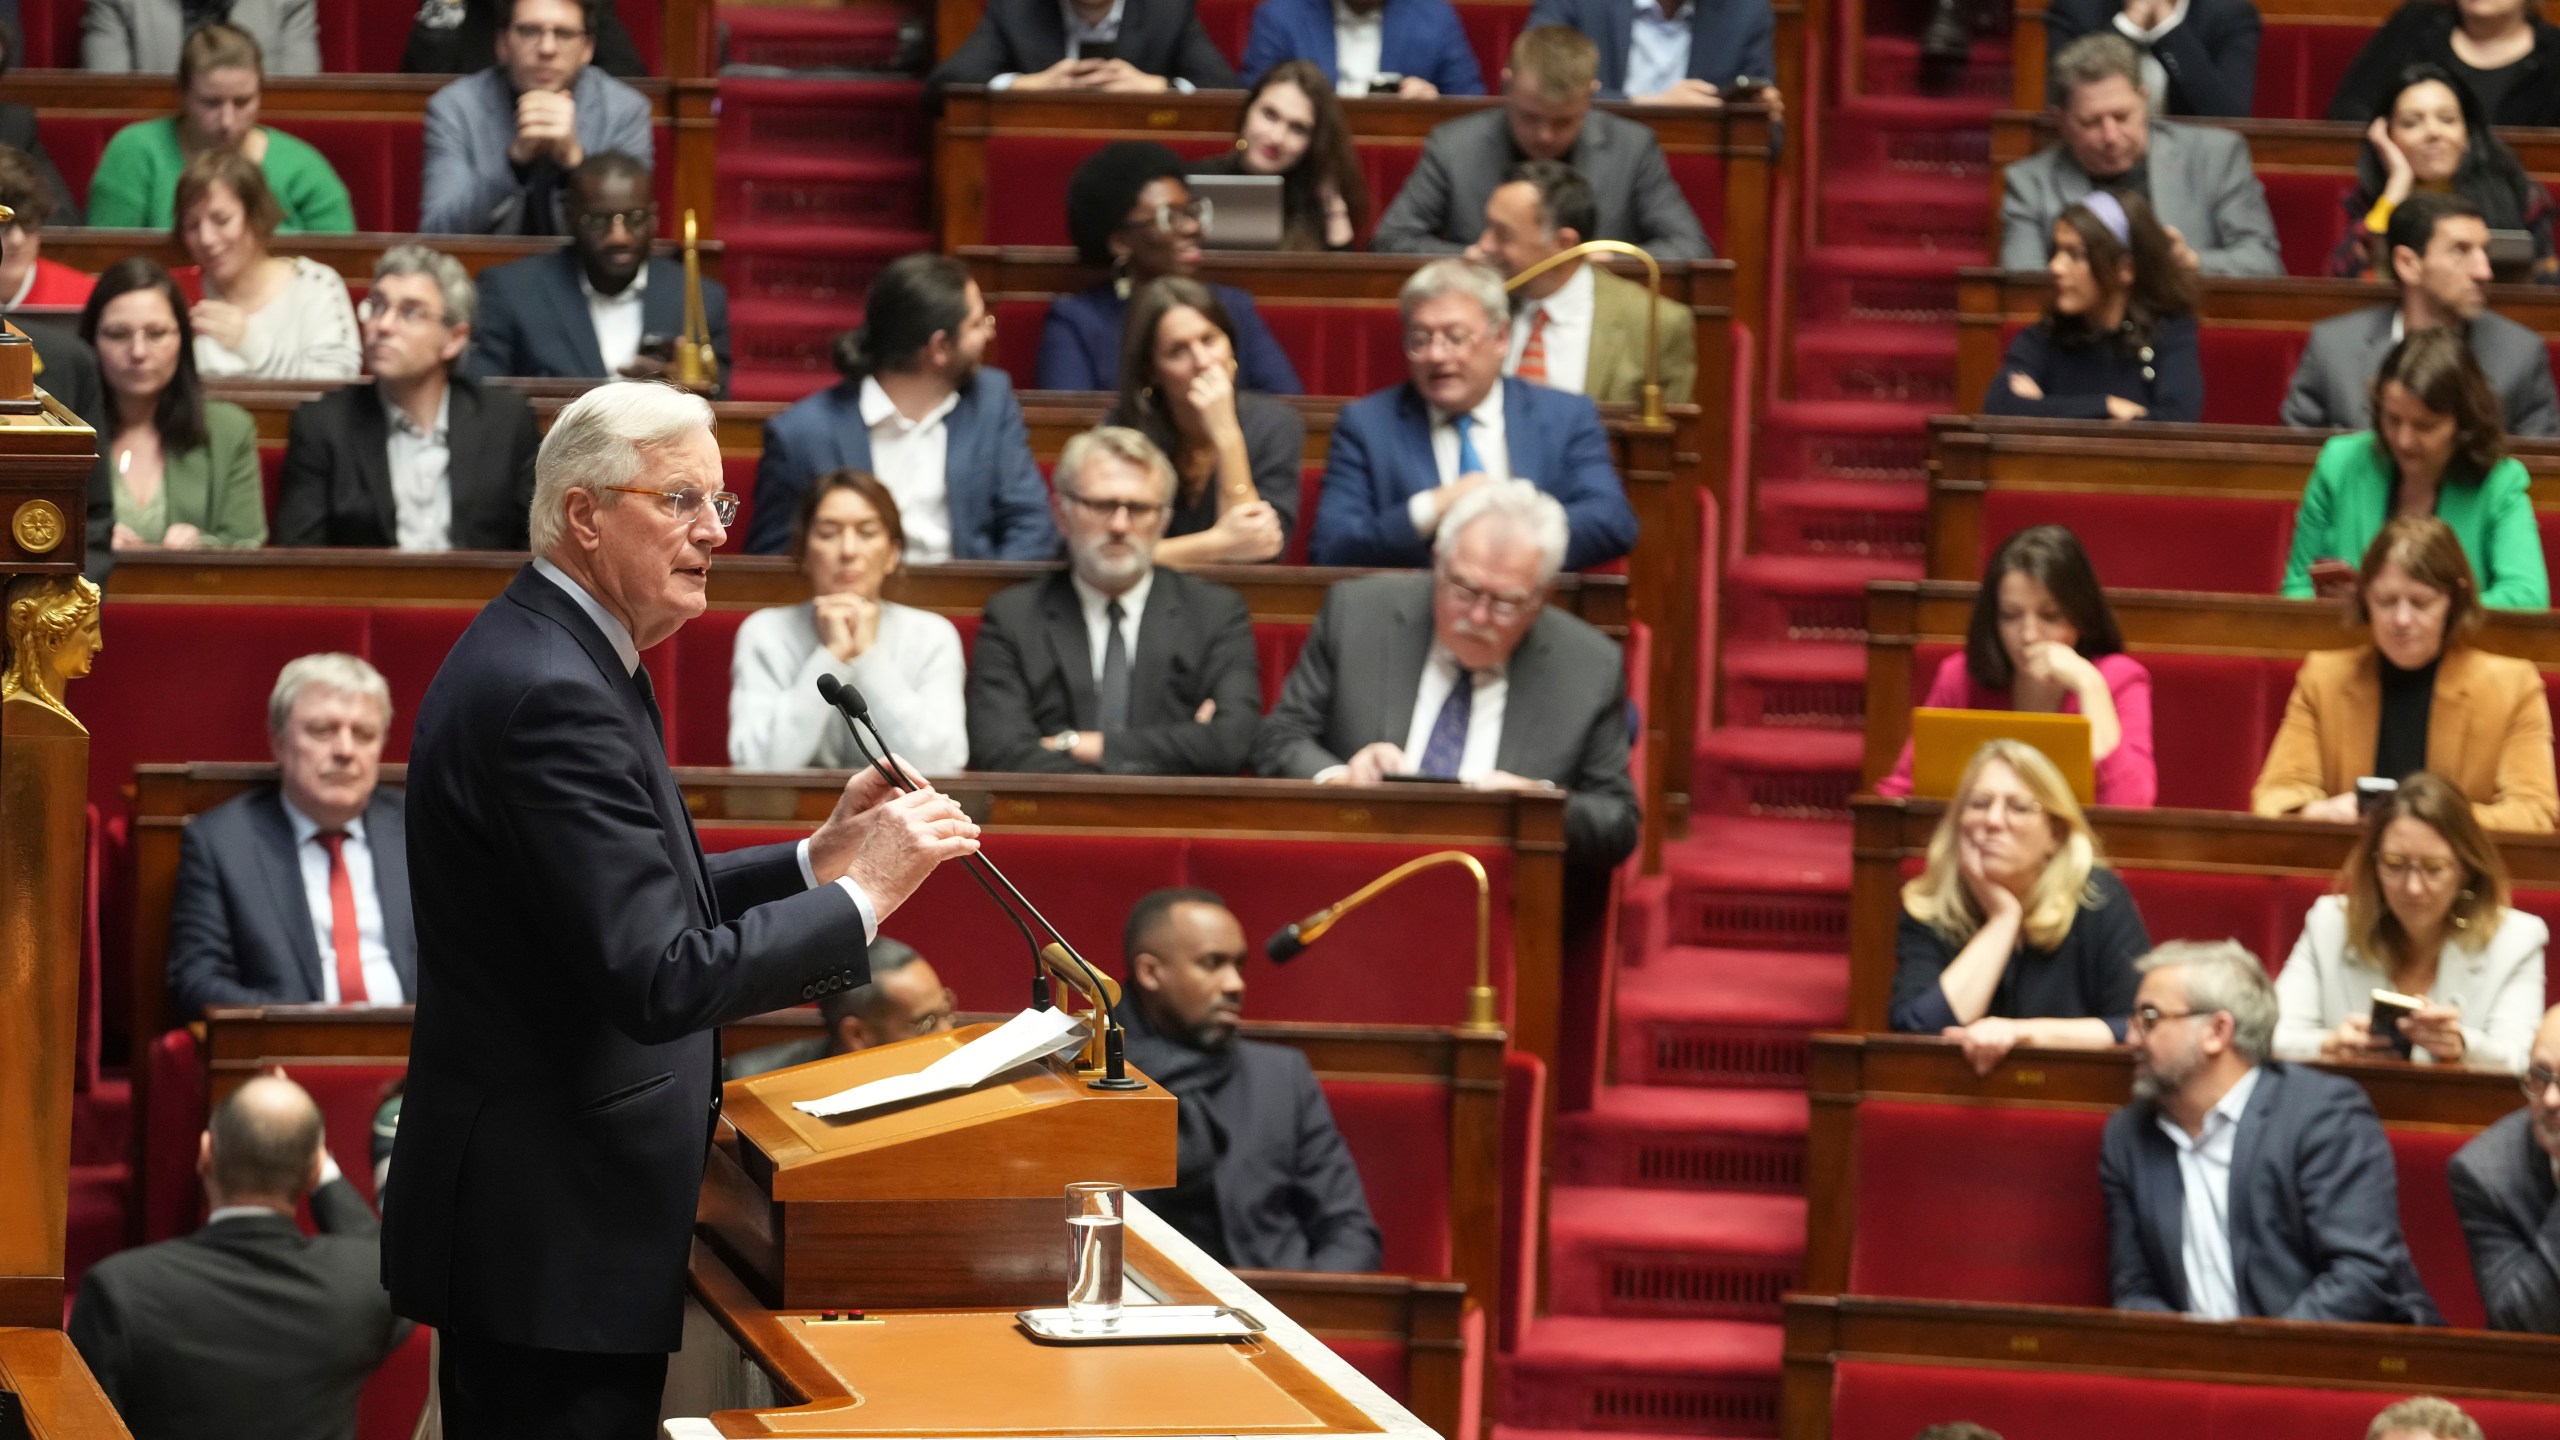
1533,356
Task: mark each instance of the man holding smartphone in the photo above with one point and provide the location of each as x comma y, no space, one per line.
1134,47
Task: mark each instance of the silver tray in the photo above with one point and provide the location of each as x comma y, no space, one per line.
1143,1324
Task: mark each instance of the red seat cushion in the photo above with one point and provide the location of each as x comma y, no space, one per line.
1399,1137
2246,372
2157,542
2433,1230
223,714
175,1104
2211,767
700,710
2178,905
1995,1203
2310,215
408,647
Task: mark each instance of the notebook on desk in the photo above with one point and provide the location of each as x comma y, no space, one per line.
1944,742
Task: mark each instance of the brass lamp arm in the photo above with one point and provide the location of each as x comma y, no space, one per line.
1652,412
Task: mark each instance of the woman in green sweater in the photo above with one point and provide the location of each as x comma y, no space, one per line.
220,75
184,468
2437,447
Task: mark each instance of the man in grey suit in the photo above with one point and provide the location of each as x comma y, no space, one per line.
501,143
1546,115
1467,674
143,37
298,892
2439,249
2198,179
2504,1189
2238,1185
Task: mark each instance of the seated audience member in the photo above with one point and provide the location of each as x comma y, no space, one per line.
2432,135
26,277
2418,696
2199,57
184,469
1236,454
1686,54
1412,48
1293,127
2241,1185
264,316
220,78
2436,448
2503,50
247,1326
1053,680
1140,47
2423,1417
2042,639
849,537
1467,674
1262,1178
2016,933
502,143
2439,251
602,306
146,37
2196,177
454,37
425,458
2503,1183
920,410
904,999
1545,114
297,893
1474,427
1577,327
18,133
2421,910
1128,208
2118,338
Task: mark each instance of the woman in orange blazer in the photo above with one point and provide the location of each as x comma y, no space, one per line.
2417,698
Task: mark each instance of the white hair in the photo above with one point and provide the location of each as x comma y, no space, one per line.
1455,275
329,670
1520,508
1121,443
461,298
599,440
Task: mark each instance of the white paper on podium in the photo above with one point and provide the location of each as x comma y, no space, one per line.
1031,1035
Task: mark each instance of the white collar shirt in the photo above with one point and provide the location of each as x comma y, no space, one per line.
617,319
1658,48
2204,1174
1359,43
373,948
422,476
1484,713
1133,606
24,287
912,458
1493,451
1567,338
2155,76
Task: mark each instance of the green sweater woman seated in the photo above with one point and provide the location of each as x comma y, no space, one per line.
2437,447
185,469
220,76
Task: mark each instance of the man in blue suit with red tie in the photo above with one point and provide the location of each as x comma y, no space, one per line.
1401,458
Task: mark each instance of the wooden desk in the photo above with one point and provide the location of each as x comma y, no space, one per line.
353,256
62,1399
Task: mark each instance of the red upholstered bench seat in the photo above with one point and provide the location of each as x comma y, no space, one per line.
2300,65
2158,542
1873,1400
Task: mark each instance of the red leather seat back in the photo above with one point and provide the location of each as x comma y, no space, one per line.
2178,905
2212,767
701,706
2157,542
1229,24
1275,653
1339,349
2310,215
1399,1138
171,1198
2246,372
2300,65
408,647
348,1097
138,713
2434,1232
1016,350
1029,207
738,472
389,1405
2544,905
1996,1203
1524,1144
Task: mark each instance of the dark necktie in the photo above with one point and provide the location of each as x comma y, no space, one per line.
1448,743
649,698
1111,710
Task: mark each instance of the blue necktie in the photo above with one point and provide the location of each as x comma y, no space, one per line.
1448,743
1469,462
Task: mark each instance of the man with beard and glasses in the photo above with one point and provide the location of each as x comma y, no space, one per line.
2506,1188
2238,1185
1262,1178
1114,665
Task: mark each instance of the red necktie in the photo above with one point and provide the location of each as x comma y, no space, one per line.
342,920
1533,356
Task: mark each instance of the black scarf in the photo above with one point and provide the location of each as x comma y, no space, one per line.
1200,1079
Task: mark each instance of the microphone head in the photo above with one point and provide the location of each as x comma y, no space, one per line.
851,699
1284,945
831,690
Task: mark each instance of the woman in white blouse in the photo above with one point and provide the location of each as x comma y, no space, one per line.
2423,913
263,316
905,661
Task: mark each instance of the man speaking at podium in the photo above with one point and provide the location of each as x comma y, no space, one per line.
576,948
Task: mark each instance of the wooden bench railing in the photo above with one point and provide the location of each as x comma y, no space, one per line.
353,256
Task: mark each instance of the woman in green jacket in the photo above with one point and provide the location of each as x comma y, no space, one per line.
220,75
2437,447
184,468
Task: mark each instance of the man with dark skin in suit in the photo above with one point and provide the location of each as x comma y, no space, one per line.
613,213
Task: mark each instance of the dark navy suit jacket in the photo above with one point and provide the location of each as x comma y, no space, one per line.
575,952
1381,458
1417,37
1727,38
534,319
1080,344
999,504
240,926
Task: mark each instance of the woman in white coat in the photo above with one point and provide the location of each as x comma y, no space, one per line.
2423,912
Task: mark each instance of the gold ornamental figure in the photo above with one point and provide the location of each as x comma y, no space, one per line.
53,637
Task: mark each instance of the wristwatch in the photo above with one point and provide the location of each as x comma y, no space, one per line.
1064,740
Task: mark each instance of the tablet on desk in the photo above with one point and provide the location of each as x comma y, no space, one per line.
1243,211
1944,742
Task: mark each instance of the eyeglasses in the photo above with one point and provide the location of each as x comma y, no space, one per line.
557,34
1421,343
1986,805
409,312
687,503
148,334
597,224
1503,604
2537,1081
1140,512
2148,1017
1169,218
2401,867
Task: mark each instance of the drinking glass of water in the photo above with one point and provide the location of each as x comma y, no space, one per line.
1097,1217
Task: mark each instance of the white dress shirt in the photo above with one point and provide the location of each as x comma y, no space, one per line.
373,949
24,286
1568,333
2204,1173
1105,31
912,458
1358,42
1484,714
1492,451
629,653
421,477
617,319
1133,604
1658,49
2155,76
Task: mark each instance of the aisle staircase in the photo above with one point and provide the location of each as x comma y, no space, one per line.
1678,1213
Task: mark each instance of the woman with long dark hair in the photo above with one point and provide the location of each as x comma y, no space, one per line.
2503,50
1235,454
1293,127
184,468
2118,339
2432,133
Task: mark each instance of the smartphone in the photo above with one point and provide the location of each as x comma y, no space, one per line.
659,347
2388,1008
1387,82
2369,792
1422,779
1098,50
1748,87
